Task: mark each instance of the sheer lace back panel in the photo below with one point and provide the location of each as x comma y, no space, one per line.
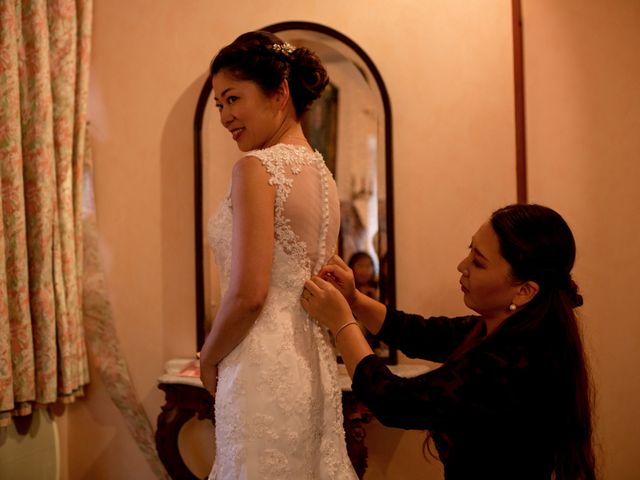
307,216
307,210
313,196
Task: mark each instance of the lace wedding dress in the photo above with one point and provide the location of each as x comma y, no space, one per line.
278,405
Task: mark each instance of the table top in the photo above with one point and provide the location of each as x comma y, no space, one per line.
174,368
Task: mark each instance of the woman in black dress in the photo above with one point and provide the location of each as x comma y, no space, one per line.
512,399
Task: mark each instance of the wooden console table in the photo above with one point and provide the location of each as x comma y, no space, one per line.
185,397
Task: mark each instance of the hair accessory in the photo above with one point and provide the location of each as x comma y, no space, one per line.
285,48
513,307
353,322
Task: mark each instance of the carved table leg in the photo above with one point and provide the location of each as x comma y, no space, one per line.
356,416
182,402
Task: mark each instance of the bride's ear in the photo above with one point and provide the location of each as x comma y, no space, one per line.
283,94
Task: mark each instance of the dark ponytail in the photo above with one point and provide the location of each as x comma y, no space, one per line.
539,246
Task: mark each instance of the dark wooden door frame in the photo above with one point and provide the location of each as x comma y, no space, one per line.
518,82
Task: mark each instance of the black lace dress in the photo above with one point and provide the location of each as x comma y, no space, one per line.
490,410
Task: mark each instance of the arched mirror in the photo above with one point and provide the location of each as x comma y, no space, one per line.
351,126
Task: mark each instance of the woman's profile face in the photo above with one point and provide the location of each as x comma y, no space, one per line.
486,280
251,117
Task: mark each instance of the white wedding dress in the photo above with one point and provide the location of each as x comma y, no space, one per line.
278,409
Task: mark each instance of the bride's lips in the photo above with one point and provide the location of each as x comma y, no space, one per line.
462,287
236,132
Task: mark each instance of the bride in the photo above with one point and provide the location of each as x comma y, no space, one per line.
270,367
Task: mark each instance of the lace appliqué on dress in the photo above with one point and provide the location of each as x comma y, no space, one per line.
276,160
278,403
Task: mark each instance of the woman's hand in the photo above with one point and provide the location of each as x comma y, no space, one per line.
325,303
340,276
209,377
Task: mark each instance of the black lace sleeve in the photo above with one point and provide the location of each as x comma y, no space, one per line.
433,338
476,386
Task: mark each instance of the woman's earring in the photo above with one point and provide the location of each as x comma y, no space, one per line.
513,307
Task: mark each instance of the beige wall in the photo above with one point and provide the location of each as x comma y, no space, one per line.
583,114
447,66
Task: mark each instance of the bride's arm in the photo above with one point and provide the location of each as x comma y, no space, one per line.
252,200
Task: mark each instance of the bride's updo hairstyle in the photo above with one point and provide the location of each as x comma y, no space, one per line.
267,60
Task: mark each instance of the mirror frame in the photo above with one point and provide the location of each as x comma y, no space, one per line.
388,162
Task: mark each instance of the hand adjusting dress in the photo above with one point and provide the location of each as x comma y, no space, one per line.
278,404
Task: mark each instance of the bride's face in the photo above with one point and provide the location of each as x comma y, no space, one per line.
251,116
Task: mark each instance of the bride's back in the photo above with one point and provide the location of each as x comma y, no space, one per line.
307,212
313,211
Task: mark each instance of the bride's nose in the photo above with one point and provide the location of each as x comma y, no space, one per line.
226,117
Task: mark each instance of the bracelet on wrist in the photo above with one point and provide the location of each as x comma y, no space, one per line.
352,322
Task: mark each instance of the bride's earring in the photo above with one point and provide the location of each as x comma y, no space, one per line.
513,307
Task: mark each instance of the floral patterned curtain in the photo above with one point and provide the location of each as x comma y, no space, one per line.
51,284
44,60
